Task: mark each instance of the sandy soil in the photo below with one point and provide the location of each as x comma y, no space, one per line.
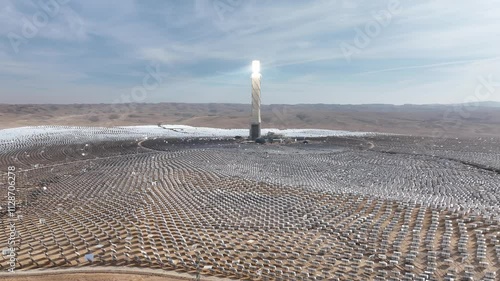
102,274
38,240
92,277
417,120
163,207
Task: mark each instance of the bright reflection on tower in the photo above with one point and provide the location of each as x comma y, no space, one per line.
255,119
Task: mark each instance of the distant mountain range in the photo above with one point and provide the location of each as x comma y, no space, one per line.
410,105
489,103
481,119
480,103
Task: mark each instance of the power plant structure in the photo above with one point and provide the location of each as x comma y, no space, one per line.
255,118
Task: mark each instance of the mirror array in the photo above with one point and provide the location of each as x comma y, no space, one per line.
334,209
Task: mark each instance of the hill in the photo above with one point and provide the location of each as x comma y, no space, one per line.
442,120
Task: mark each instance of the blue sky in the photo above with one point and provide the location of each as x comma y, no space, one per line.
325,51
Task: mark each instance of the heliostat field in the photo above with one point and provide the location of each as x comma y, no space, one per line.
345,207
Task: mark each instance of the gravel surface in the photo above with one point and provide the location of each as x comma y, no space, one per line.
336,208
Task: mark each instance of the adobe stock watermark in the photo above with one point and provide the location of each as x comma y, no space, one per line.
454,117
280,116
10,252
224,7
31,26
372,29
228,14
151,81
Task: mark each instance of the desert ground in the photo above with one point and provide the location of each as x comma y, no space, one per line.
92,276
417,199
463,120
373,207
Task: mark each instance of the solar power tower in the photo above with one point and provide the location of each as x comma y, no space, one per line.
255,118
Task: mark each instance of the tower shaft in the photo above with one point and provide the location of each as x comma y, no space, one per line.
255,118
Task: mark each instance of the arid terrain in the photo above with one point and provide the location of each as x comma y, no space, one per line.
336,208
428,120
92,276
158,203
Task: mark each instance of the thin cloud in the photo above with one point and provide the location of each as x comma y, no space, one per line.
426,66
96,45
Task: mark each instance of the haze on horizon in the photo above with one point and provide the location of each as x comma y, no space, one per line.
341,52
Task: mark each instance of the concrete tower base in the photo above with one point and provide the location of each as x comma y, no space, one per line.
254,131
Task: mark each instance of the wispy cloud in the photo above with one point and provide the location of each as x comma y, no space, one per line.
205,48
432,65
